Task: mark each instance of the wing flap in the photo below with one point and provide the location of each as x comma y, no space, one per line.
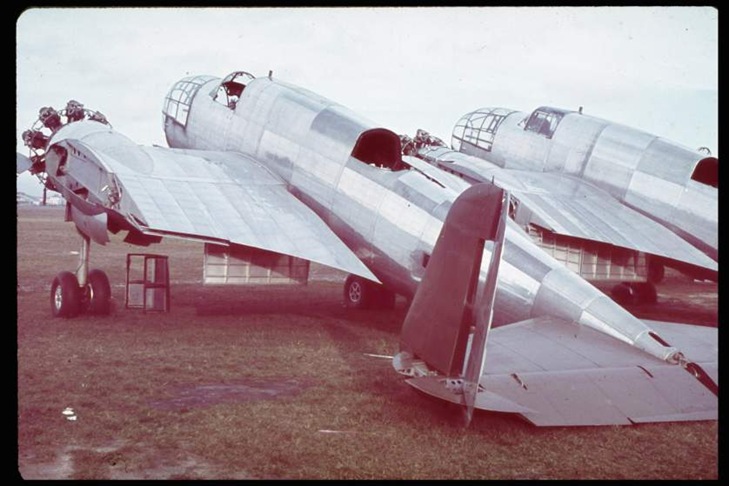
569,206
603,396
572,207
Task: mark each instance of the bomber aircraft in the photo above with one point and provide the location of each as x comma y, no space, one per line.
601,197
272,176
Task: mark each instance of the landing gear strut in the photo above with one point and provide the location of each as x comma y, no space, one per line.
86,291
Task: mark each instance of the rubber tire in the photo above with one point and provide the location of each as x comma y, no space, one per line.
65,295
358,293
644,292
99,293
623,294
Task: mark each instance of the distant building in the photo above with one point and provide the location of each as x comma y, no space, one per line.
55,200
23,198
51,199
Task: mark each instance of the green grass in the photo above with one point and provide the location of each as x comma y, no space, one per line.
135,382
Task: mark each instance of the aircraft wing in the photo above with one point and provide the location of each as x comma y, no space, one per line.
557,373
219,197
570,206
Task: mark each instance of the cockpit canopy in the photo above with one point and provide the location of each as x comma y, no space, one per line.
544,120
179,99
231,87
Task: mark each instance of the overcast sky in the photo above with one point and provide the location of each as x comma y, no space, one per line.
654,68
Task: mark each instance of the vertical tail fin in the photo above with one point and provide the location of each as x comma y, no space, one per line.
446,309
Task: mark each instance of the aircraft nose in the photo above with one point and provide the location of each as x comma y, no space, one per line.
176,107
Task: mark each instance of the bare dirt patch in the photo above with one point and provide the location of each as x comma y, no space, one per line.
185,397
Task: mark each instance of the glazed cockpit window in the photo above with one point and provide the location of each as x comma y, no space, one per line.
479,128
178,100
544,121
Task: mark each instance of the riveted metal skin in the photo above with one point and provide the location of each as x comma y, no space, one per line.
261,163
673,184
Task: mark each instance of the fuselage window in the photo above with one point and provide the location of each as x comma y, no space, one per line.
380,148
707,172
543,122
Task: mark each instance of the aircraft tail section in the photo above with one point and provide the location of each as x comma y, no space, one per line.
447,317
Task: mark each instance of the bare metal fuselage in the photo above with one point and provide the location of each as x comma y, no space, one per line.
671,183
389,216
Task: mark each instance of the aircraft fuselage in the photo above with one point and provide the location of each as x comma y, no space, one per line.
351,172
673,184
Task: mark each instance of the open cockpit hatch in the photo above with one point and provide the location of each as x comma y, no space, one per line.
544,120
231,88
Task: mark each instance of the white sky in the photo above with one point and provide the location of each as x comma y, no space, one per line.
654,68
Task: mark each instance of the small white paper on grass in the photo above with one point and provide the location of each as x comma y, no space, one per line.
69,413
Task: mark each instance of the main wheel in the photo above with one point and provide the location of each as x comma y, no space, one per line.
357,292
65,295
623,294
645,292
99,293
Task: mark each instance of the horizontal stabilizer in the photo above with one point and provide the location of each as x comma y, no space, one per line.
557,373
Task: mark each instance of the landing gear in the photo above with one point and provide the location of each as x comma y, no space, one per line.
69,299
363,294
630,293
86,291
65,295
98,293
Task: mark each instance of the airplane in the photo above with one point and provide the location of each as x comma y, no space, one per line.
271,176
596,195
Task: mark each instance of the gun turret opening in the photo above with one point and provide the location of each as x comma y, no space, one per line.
379,147
707,172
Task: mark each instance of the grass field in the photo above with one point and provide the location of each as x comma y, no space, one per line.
237,383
